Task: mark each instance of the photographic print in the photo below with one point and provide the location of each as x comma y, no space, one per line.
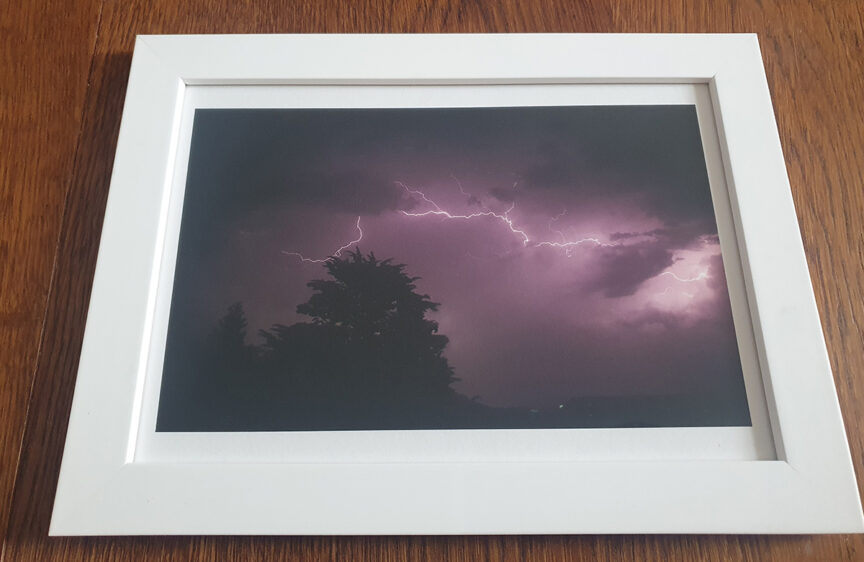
449,268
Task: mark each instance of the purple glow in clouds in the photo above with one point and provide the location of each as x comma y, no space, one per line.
573,251
663,289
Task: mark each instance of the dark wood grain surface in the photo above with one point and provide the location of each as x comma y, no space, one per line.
45,54
62,82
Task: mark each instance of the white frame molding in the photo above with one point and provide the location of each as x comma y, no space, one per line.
103,491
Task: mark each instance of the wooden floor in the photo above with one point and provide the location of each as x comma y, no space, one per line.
64,70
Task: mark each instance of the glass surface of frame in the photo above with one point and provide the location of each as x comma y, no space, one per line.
636,269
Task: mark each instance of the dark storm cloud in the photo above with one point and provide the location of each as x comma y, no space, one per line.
501,194
550,158
350,159
265,186
351,190
622,269
616,236
328,163
655,155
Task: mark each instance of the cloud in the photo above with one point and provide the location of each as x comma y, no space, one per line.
622,269
581,320
501,194
350,190
642,255
617,236
653,153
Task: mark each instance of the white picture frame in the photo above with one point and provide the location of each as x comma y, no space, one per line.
105,490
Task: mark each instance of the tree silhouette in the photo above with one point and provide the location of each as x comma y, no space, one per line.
227,342
369,352
225,378
370,297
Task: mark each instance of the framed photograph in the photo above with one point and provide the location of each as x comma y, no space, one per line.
452,284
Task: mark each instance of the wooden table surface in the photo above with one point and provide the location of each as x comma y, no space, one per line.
63,71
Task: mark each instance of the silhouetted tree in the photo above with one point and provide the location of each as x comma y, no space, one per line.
367,296
227,342
228,371
369,351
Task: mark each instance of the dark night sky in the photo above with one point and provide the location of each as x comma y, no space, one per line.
588,265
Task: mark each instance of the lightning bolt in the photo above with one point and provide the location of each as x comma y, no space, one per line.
438,211
568,246
336,254
458,184
555,219
700,277
504,218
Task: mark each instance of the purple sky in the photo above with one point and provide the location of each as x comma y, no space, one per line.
573,250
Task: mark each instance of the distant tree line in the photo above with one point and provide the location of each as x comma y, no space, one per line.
367,357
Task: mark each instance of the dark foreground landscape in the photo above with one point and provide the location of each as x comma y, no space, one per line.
369,359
